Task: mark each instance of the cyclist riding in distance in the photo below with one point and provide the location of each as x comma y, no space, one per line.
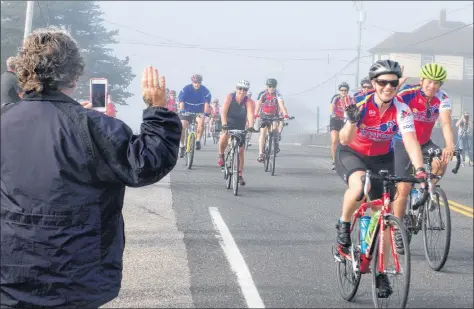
365,143
427,103
336,110
249,134
269,103
215,113
193,98
236,110
365,86
171,103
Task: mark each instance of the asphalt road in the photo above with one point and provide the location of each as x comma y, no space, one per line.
181,233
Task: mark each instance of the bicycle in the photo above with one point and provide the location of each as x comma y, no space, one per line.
270,147
216,129
359,259
190,139
419,217
232,158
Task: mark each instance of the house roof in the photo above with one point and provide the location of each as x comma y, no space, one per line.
459,42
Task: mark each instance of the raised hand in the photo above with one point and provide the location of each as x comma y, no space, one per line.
153,88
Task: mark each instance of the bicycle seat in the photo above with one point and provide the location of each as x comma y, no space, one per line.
383,173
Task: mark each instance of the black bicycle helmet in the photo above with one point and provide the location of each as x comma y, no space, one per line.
343,85
382,67
364,81
271,82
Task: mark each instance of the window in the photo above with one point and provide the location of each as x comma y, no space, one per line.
425,59
468,69
384,57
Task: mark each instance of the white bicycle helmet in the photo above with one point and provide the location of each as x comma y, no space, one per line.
243,83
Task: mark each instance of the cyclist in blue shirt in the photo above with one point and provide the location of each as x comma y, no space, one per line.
193,98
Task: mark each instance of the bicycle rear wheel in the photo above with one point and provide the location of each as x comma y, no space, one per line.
348,280
433,227
390,270
190,155
235,167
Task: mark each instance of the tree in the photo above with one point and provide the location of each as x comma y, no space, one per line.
83,19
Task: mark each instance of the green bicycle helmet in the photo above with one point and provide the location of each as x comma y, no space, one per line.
434,71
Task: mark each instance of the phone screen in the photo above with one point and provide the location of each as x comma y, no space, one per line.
98,95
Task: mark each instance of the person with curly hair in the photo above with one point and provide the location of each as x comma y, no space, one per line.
61,218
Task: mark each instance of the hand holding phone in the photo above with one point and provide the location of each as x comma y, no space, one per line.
99,93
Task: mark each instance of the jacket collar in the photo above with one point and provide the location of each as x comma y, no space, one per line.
48,95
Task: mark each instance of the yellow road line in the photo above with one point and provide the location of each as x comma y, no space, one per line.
469,209
459,210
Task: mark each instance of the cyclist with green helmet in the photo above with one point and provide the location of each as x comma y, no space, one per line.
428,103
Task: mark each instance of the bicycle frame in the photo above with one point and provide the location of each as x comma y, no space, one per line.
191,130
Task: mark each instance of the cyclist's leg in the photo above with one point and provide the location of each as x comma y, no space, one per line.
185,124
223,141
350,167
200,130
402,168
261,142
335,126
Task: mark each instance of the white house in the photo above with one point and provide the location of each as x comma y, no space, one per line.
445,42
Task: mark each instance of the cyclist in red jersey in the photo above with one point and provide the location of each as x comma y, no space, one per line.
236,110
365,86
215,116
365,143
171,103
427,103
269,103
336,110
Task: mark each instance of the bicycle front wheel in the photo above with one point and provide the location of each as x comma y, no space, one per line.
397,269
273,154
192,147
235,169
436,228
267,151
348,270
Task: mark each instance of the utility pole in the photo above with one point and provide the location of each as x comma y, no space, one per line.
317,119
29,17
359,40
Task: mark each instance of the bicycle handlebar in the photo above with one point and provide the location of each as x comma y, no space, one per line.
385,176
436,153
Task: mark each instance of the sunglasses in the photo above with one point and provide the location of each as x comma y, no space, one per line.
382,82
367,87
343,90
242,89
271,87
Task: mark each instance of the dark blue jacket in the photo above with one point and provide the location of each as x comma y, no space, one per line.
63,175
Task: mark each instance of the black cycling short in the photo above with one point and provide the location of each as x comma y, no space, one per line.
335,124
188,118
403,166
349,161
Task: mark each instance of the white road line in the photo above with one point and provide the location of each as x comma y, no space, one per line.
319,146
236,261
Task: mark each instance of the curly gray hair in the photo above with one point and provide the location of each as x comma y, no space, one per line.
49,60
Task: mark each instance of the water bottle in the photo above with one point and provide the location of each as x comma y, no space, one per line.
364,226
415,196
371,229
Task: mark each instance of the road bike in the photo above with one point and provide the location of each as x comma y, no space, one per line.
271,148
353,261
190,139
428,217
232,157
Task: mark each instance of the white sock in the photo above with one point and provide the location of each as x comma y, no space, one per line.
181,144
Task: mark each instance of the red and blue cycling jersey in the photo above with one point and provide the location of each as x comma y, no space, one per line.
374,131
338,111
425,112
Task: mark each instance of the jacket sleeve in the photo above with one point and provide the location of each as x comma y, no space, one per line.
137,160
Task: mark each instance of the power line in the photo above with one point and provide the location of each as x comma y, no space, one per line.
335,75
435,37
218,50
327,80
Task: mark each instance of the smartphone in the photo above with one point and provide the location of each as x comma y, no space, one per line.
99,93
